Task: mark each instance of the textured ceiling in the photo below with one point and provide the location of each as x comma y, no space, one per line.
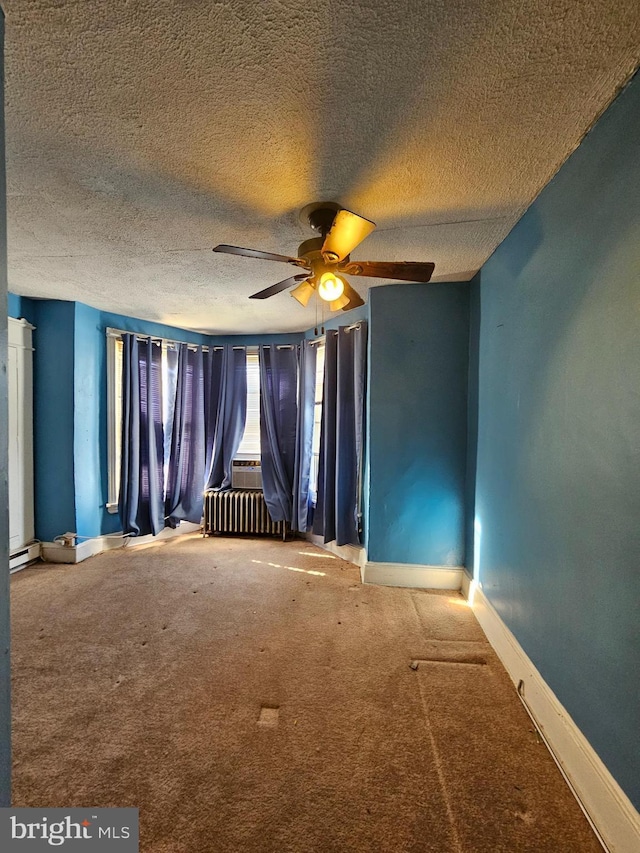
140,134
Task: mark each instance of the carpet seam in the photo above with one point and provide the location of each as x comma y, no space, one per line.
441,779
436,752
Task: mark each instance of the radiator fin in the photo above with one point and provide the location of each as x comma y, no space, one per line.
238,511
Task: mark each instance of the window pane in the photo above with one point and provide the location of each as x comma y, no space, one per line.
250,444
319,373
317,421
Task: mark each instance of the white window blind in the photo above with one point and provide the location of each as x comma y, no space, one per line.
317,422
250,444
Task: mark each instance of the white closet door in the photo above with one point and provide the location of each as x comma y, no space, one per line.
20,392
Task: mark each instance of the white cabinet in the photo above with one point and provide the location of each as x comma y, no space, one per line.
20,390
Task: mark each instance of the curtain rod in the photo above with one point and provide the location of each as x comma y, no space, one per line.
218,348
117,333
322,339
346,328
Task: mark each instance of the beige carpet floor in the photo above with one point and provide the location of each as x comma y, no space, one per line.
252,695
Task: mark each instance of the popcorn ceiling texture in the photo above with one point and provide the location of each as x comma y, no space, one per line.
140,134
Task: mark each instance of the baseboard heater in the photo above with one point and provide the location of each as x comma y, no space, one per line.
238,511
19,557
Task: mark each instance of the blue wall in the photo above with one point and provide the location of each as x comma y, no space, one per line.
22,307
14,305
558,469
472,421
418,346
53,427
90,434
55,399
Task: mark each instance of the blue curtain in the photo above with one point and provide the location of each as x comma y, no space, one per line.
186,468
337,515
141,499
278,416
214,362
228,391
301,510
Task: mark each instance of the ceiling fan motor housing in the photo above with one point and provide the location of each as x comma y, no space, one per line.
311,251
321,219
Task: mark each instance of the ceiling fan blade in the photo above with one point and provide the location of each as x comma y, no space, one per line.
279,287
401,270
341,303
347,232
355,300
256,253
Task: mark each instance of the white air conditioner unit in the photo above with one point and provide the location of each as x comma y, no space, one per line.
246,474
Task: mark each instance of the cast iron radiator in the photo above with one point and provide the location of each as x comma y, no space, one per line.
238,511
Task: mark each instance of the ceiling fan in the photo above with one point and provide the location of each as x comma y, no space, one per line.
326,261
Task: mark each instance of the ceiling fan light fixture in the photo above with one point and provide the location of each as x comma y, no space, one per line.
303,292
339,303
340,232
331,287
347,231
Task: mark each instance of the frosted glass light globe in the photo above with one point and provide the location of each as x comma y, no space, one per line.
331,287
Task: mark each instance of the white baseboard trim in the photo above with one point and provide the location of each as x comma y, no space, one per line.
20,557
465,584
410,575
350,553
57,552
608,808
166,533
